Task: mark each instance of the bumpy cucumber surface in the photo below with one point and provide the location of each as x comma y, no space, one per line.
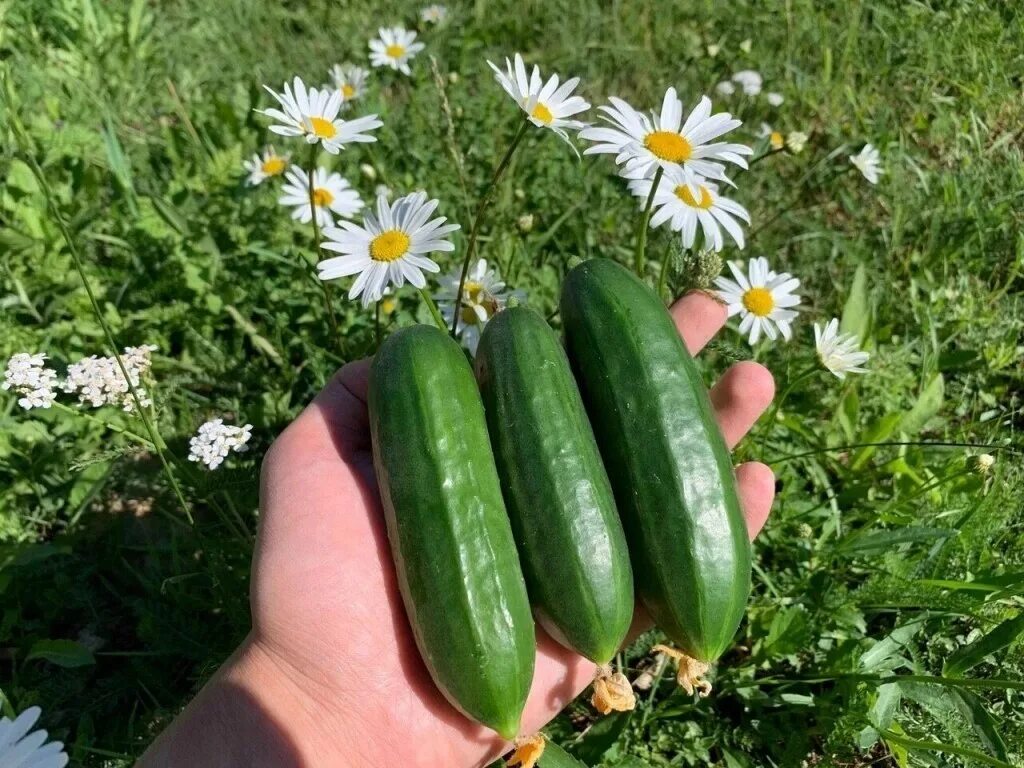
571,544
452,544
665,455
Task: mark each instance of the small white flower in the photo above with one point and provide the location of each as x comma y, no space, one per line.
982,463
389,248
99,381
27,375
839,352
394,48
746,45
21,749
749,80
725,88
331,194
434,14
641,144
350,81
686,203
547,104
775,99
215,439
261,168
869,163
714,49
383,190
483,296
796,141
313,113
762,299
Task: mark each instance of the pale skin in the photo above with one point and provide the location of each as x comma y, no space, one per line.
329,676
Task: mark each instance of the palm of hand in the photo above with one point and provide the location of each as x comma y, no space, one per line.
325,600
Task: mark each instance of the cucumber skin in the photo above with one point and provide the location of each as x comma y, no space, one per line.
450,537
668,463
571,544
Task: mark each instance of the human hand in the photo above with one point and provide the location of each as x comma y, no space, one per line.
330,675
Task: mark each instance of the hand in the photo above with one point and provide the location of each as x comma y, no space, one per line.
330,675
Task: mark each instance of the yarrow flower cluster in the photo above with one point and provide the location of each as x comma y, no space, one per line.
20,747
29,377
99,381
215,440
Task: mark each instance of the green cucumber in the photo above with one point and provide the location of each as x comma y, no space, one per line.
450,537
668,463
571,545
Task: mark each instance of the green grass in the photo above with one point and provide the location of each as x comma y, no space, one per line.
878,565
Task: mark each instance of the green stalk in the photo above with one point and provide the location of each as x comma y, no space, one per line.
434,311
326,286
478,218
103,423
645,219
781,398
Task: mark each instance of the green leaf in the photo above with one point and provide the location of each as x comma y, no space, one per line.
601,736
118,162
556,757
878,432
984,725
971,655
887,702
928,404
938,746
881,541
63,653
856,317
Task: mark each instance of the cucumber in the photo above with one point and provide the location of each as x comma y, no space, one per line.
571,544
668,463
453,549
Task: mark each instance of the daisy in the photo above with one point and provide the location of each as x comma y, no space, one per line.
869,163
641,143
686,205
350,81
546,104
313,113
775,139
395,48
262,168
483,296
21,749
434,14
749,80
761,298
331,194
389,247
839,352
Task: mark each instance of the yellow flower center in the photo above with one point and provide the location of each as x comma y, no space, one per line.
776,140
388,304
542,113
390,245
273,166
348,91
322,197
668,145
395,51
683,193
324,129
759,301
474,294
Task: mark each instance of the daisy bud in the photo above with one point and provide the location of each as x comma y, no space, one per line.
525,223
368,171
982,463
746,45
713,50
453,78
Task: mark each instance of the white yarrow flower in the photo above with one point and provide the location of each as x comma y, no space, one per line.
547,104
775,99
21,749
394,48
762,298
483,296
839,352
98,381
350,81
796,141
749,80
331,194
313,114
260,168
389,248
869,163
434,14
688,203
29,377
215,440
642,143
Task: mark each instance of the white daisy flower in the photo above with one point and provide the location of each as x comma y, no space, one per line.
762,299
725,88
331,194
313,113
215,439
483,296
434,14
389,248
350,81
261,168
641,143
839,352
547,104
869,163
686,205
775,99
749,80
394,48
29,377
21,749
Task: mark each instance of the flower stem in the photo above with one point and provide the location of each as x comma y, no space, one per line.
326,286
478,217
781,398
641,231
434,311
376,321
663,277
27,148
102,422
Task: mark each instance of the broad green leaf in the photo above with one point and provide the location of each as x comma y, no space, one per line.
928,404
938,746
556,757
848,414
889,647
601,736
856,317
881,541
887,702
984,725
63,653
878,432
969,656
118,163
